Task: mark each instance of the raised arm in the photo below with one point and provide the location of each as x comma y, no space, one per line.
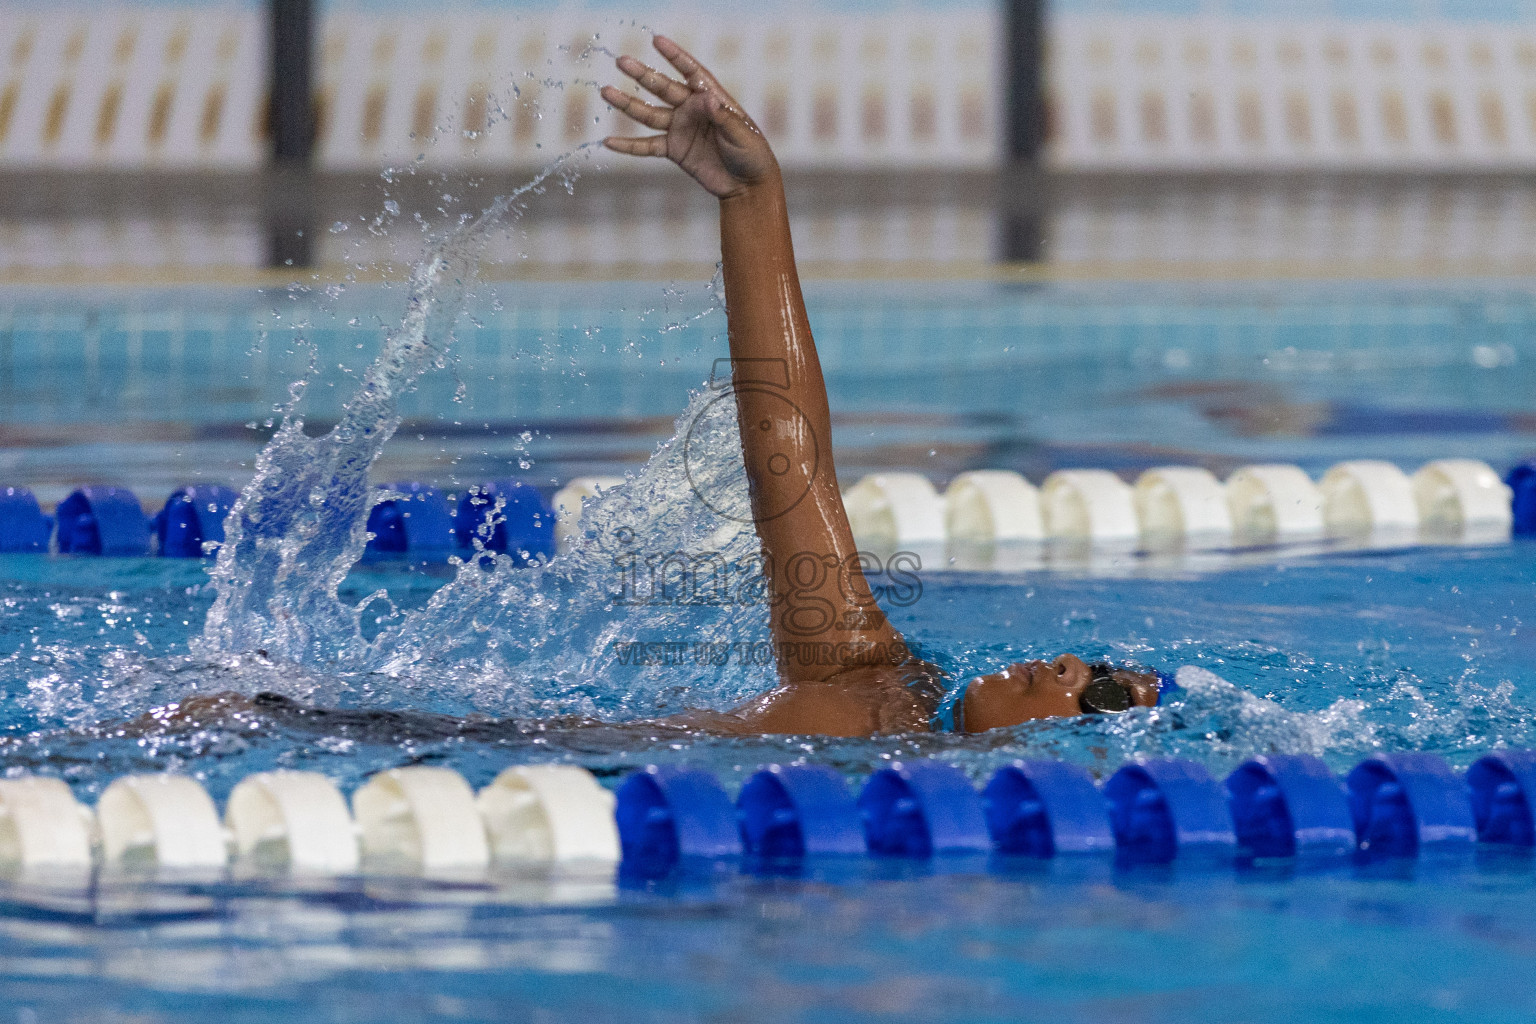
824,617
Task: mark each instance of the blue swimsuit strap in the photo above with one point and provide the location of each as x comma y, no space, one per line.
950,715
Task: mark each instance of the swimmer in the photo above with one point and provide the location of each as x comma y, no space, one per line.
872,684
877,686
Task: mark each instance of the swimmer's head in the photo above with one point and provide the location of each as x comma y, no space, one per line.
1061,688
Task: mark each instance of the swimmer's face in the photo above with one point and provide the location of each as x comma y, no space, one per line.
1041,689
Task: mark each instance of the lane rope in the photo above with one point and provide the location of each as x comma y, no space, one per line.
1179,507
427,821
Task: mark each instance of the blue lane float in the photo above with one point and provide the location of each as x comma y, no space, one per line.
412,526
1289,805
102,521
1501,787
1273,807
921,809
525,530
191,524
1403,803
1522,486
418,525
23,527
790,812
1168,808
1045,808
667,816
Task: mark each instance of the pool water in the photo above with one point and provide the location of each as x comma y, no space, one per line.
157,387
1339,653
1413,649
897,945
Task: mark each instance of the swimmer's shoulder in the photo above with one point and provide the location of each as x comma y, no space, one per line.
865,700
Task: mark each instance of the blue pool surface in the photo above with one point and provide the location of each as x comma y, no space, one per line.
1423,649
159,388
1335,653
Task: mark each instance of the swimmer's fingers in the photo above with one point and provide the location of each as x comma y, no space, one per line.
649,145
696,74
659,118
654,82
687,65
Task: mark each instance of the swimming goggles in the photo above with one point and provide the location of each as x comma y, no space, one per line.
1106,695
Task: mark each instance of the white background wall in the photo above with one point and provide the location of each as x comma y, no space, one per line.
169,87
128,87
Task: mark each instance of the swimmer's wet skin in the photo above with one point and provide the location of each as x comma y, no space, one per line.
787,446
1023,691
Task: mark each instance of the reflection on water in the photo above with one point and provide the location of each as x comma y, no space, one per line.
1065,940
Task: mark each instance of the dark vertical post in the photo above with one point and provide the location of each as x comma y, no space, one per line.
1023,206
1026,85
293,134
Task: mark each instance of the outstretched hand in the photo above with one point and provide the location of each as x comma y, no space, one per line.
703,130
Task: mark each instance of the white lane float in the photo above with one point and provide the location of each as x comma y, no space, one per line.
1089,505
292,820
992,505
549,813
1368,496
422,818
1462,496
895,510
1182,503
568,504
1274,502
43,827
160,821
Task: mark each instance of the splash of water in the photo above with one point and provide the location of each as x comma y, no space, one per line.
1222,724
300,524
655,568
